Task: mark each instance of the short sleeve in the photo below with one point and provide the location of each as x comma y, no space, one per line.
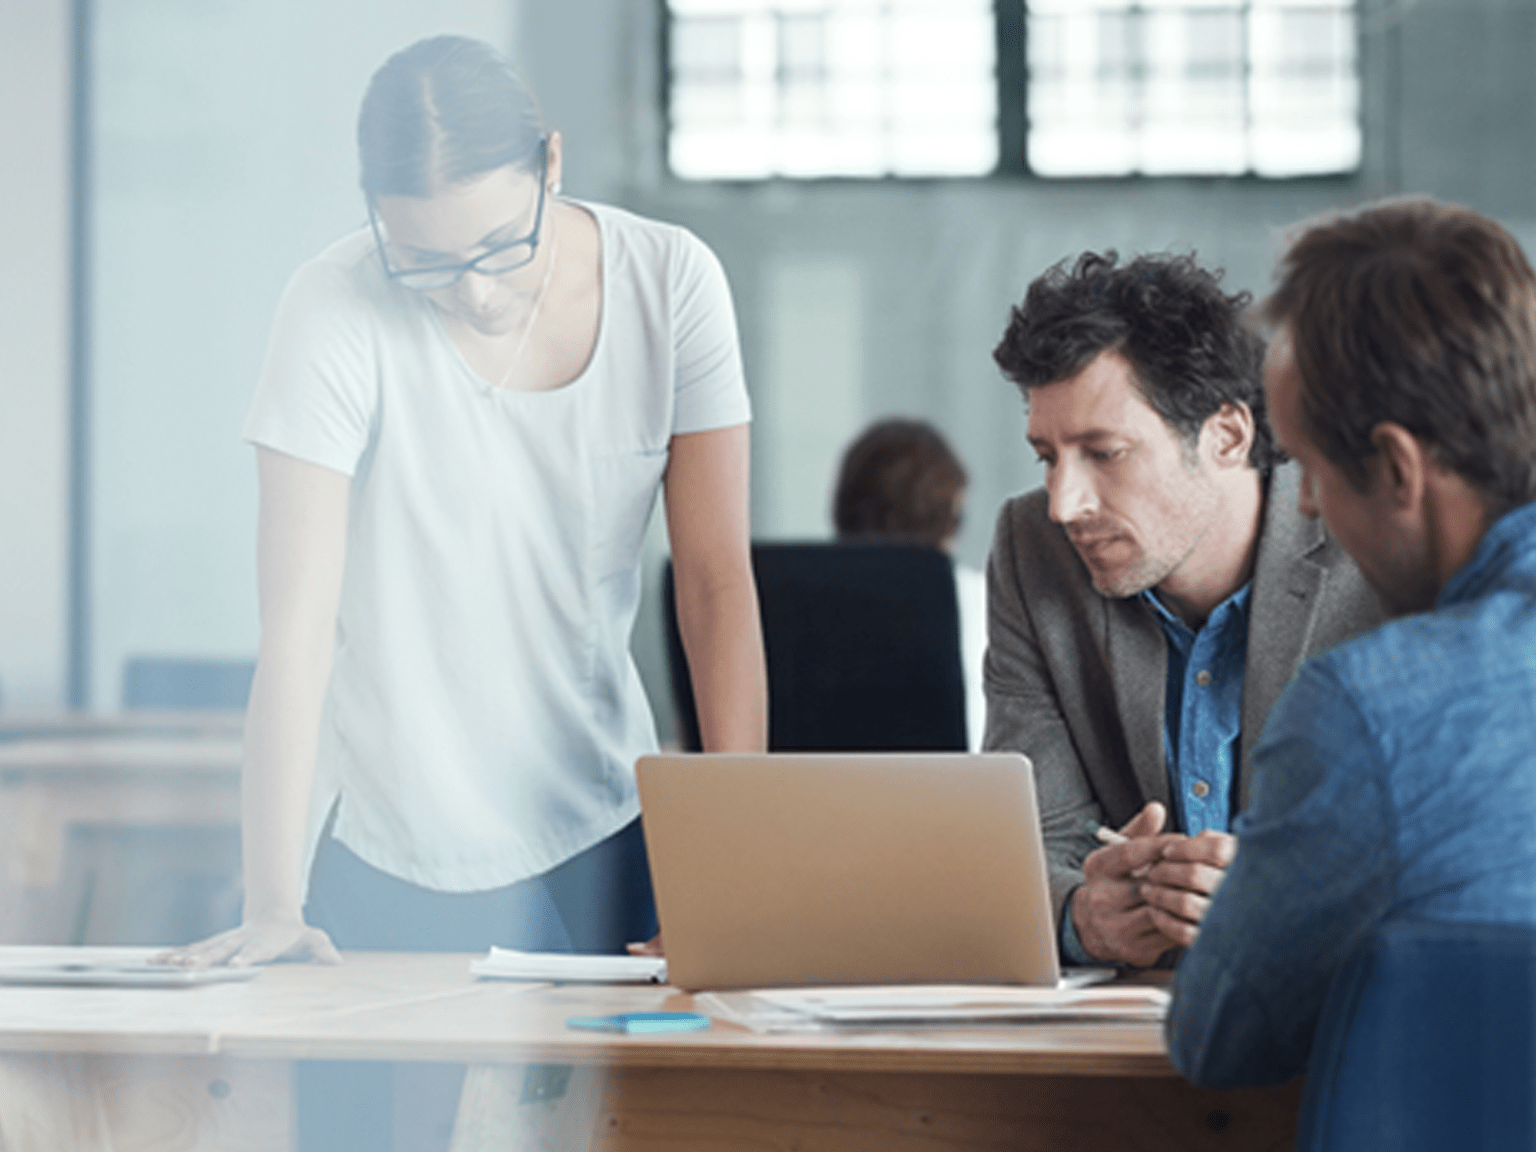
318,389
710,386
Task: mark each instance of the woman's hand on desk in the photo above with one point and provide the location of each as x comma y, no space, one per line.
256,942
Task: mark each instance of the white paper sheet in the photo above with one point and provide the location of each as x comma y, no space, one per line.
819,1009
510,964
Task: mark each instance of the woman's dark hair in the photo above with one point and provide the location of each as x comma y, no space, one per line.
1188,343
443,111
1422,314
899,479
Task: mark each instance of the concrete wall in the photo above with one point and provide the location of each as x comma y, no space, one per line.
34,350
862,299
225,158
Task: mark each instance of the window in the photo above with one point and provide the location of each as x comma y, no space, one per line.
868,88
764,88
1166,87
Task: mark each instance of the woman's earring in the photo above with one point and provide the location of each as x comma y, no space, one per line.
554,189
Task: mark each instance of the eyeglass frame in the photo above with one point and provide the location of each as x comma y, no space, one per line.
459,271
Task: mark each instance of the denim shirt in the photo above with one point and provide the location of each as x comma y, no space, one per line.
1394,779
1202,723
1204,710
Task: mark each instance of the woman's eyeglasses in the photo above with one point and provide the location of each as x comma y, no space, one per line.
496,261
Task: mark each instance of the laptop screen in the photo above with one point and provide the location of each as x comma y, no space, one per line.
853,868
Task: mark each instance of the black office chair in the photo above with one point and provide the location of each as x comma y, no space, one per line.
863,649
1426,1042
186,682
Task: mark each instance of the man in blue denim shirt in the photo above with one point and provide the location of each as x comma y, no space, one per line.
1395,777
1148,605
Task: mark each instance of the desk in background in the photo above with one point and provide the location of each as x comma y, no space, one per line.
54,724
124,1068
92,807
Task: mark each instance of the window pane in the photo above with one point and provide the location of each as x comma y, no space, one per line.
1179,87
832,88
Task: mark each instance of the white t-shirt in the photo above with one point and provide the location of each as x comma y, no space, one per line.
484,713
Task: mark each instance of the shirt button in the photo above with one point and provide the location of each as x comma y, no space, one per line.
1200,788
1202,678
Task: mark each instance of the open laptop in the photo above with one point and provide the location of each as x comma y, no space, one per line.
850,868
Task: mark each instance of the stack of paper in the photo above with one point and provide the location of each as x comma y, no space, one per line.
793,1009
510,964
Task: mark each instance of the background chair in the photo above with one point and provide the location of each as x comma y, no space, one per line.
863,649
150,884
183,682
1427,1040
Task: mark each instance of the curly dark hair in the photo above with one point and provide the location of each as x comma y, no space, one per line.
899,479
1188,343
1423,314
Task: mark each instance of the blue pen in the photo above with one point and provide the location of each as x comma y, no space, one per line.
636,1022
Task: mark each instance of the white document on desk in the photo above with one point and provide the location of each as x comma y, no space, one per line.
795,1009
571,968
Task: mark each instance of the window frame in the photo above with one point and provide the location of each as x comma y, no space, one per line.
1010,23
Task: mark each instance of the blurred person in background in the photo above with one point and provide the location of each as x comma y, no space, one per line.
901,480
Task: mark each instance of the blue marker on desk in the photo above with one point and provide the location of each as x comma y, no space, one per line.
635,1022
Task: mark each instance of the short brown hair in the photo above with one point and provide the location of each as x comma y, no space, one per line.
899,479
1422,314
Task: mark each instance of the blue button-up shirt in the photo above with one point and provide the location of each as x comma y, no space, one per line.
1202,724
1395,779
1203,720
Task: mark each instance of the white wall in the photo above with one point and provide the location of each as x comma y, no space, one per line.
34,351
226,157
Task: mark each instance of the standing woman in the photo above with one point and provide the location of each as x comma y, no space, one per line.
464,417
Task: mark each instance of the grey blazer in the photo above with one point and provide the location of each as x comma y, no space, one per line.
1076,680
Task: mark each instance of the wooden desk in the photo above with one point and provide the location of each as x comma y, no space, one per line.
210,1063
153,777
49,724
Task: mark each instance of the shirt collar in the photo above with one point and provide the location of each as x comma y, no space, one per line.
1511,541
1235,605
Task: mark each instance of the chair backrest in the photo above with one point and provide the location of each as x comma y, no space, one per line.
863,649
176,682
1427,1040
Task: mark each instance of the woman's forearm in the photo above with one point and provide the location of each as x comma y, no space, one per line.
300,557
281,735
723,639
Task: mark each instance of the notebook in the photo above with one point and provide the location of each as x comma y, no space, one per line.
851,868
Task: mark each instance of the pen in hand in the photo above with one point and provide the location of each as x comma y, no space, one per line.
1109,836
1105,835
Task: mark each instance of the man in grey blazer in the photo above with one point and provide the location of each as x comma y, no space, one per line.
1148,605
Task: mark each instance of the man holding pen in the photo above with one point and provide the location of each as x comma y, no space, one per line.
1394,778
1147,606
